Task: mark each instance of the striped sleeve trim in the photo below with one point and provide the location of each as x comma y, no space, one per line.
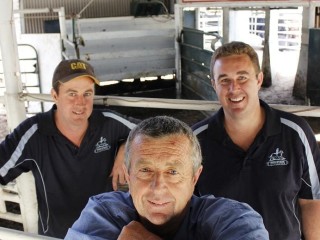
200,129
18,151
120,119
314,178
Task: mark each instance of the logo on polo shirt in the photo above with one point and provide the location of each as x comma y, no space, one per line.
102,145
276,159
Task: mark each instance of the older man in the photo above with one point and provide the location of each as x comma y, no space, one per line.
163,164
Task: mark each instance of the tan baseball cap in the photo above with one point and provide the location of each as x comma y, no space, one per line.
72,68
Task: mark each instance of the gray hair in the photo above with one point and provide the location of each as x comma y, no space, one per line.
235,48
161,126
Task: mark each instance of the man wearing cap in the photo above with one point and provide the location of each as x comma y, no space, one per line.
70,149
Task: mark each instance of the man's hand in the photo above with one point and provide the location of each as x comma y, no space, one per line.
135,231
117,174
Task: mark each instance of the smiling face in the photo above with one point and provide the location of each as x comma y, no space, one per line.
161,178
237,85
74,102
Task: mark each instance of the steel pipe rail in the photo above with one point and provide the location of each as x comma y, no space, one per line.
185,104
10,234
254,4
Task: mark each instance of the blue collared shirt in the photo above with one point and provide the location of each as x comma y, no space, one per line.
207,218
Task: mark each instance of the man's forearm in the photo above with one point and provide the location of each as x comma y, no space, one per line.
310,211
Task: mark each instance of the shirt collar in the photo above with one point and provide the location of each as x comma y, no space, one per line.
47,125
271,126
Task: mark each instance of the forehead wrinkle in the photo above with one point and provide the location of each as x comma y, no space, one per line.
146,162
171,156
160,151
163,152
155,146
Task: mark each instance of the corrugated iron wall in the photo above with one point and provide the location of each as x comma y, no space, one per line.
34,23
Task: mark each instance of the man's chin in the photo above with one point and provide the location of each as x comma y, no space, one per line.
158,219
80,120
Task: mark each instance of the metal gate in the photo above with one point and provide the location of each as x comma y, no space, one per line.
29,68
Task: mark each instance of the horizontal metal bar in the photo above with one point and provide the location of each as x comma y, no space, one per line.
10,217
36,10
12,197
10,234
135,74
158,53
128,34
201,105
69,42
241,4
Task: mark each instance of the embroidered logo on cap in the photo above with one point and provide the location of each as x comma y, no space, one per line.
78,65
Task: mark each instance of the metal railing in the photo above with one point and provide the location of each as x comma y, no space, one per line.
185,104
10,234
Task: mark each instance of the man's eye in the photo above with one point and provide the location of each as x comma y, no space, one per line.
242,78
224,81
144,170
88,94
72,94
173,172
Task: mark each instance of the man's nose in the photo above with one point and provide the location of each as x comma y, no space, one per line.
234,85
80,100
158,181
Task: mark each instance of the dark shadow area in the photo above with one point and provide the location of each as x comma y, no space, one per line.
151,89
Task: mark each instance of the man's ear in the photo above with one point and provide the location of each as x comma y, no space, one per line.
54,95
260,79
213,83
197,175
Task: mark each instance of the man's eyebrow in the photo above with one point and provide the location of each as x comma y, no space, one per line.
71,90
174,163
74,90
141,162
222,76
89,90
243,72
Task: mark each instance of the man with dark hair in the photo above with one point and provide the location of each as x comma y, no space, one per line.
256,154
162,165
70,149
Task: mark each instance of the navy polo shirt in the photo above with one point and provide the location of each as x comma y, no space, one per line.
281,166
65,175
